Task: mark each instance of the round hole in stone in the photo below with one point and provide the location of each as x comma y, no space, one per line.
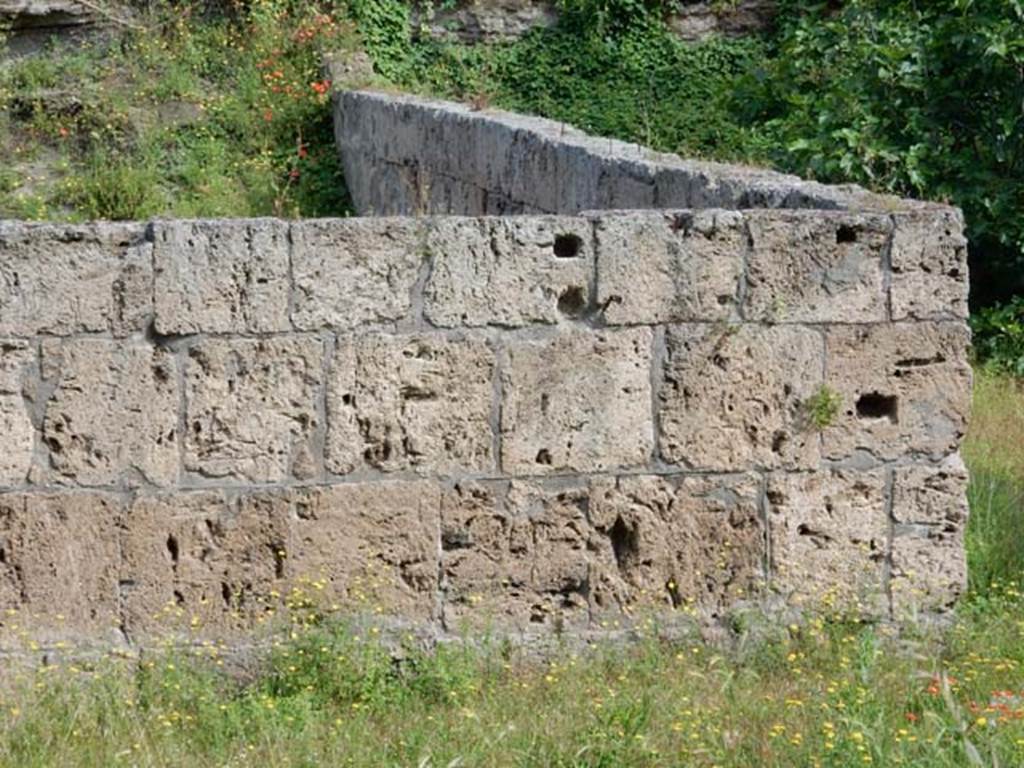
567,246
572,302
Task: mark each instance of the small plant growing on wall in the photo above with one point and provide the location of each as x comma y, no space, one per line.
823,407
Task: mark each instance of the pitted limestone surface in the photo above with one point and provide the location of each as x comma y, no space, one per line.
553,421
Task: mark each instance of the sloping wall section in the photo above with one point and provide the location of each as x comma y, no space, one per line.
549,421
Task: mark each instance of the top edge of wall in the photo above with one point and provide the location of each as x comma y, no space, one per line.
393,140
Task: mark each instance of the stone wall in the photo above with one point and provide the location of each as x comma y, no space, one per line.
529,423
405,155
491,21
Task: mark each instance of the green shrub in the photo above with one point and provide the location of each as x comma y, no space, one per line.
607,72
999,336
116,188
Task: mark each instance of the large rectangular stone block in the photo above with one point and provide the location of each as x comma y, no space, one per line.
352,272
368,548
196,564
251,412
929,567
578,401
737,397
410,402
677,542
515,558
221,276
63,279
829,538
58,569
17,359
929,264
813,266
508,272
670,267
904,389
113,414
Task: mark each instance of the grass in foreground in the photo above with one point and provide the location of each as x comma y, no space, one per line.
817,694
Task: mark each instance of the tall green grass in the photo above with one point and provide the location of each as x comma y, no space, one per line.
994,452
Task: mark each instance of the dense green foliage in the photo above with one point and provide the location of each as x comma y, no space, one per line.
999,336
610,67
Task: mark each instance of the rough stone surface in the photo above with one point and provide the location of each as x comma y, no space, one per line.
58,572
736,397
193,563
410,402
929,567
904,389
220,276
508,272
16,426
112,417
580,401
251,407
371,548
408,155
829,534
63,279
671,267
352,272
515,557
929,265
492,21
693,542
816,267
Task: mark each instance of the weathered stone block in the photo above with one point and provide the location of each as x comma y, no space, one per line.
812,266
933,495
419,402
57,279
670,267
369,548
520,562
192,563
58,568
929,265
578,401
829,534
904,389
688,543
16,359
352,272
508,272
113,415
221,276
929,567
251,408
736,397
